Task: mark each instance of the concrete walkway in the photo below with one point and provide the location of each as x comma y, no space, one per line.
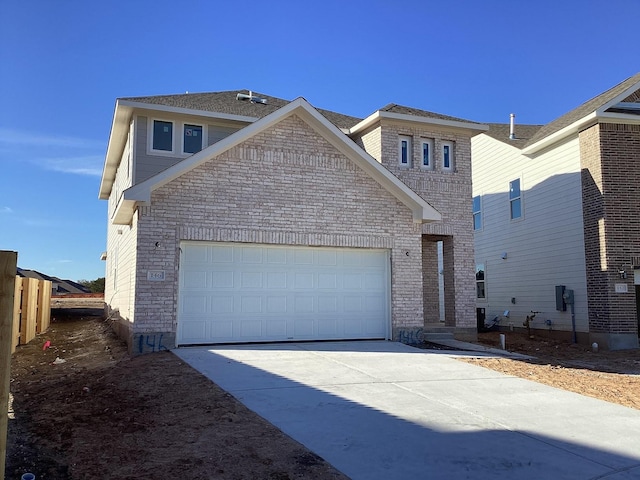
384,410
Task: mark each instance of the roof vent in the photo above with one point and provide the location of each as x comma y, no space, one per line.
251,97
512,129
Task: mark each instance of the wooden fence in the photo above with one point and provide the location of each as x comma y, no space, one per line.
31,309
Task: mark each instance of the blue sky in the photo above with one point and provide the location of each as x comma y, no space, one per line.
63,64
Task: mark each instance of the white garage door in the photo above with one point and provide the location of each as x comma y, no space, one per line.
256,293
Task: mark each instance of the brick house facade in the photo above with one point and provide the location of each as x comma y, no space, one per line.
284,179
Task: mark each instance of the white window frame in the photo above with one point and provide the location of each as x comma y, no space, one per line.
401,140
516,198
430,143
203,144
150,132
452,149
477,212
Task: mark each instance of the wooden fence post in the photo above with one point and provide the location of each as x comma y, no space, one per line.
8,264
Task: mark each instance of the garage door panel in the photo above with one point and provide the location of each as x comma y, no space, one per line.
276,304
352,281
195,304
221,254
303,280
195,330
276,328
250,304
251,255
251,279
276,280
239,292
222,279
196,279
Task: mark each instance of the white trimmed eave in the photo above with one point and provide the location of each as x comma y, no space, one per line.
120,128
403,117
141,193
599,115
117,141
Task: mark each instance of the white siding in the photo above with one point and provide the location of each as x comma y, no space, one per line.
546,246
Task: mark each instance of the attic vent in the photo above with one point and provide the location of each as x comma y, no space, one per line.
251,97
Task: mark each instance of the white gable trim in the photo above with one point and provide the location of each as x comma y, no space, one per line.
141,193
592,118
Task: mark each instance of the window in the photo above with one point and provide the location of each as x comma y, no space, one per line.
481,291
404,151
515,199
427,153
477,213
162,136
447,156
192,138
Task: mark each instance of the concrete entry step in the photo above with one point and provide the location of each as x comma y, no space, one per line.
434,333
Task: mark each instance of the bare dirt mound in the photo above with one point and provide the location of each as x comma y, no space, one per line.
84,409
610,376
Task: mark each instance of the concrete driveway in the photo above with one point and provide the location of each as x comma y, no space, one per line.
384,410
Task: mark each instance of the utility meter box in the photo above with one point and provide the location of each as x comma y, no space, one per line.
561,305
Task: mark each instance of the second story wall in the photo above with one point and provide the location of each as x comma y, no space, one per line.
524,257
149,162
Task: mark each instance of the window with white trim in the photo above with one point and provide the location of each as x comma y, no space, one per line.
162,136
192,138
481,291
515,199
477,213
447,156
426,151
404,151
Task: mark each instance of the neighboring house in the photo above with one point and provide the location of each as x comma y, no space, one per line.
58,286
558,206
236,217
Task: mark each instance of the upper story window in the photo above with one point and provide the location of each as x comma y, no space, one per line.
404,151
427,153
481,291
162,136
192,138
477,213
447,156
515,199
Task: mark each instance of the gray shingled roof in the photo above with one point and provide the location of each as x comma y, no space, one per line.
524,133
394,108
226,102
584,109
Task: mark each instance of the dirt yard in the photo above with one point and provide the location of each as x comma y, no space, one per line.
83,409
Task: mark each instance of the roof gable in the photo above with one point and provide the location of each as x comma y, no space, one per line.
235,103
422,211
626,89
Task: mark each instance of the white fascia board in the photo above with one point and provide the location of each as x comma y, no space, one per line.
619,98
422,211
403,117
574,128
188,111
117,141
616,117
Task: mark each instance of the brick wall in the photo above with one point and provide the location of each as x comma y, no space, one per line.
447,191
285,185
610,155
